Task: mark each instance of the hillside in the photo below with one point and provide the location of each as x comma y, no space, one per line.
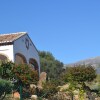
95,61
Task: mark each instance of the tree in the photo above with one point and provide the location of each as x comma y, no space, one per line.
20,75
25,74
81,74
22,72
5,87
6,70
50,65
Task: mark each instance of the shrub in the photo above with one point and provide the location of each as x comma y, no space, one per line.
5,87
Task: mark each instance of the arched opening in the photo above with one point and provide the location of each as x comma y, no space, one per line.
33,63
20,59
3,58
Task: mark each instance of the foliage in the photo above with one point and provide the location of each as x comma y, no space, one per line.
25,74
60,96
50,65
6,70
81,94
80,73
20,72
5,86
49,89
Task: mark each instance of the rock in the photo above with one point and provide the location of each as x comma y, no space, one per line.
64,87
32,86
42,79
16,95
34,97
76,97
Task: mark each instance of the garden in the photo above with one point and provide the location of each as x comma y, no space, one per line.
21,82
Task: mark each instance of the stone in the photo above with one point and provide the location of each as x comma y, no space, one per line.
42,79
32,86
34,97
64,87
16,95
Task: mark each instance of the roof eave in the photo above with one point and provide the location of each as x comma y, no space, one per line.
24,33
6,43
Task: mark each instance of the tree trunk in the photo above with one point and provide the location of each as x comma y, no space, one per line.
3,96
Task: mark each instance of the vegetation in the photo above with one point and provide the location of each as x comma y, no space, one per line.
16,76
20,72
6,70
5,88
80,75
49,89
25,74
50,65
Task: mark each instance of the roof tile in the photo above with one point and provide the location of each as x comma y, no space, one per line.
10,37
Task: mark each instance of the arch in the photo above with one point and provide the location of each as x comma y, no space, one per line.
33,64
3,57
20,59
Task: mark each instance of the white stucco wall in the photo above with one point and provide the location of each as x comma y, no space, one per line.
20,47
7,50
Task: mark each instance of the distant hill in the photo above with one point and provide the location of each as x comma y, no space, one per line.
95,61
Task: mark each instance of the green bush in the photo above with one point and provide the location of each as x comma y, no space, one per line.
5,87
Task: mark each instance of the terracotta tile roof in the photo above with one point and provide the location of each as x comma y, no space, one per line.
6,38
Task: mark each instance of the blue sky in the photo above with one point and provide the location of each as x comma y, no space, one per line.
69,29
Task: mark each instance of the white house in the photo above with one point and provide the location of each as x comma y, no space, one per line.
19,48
